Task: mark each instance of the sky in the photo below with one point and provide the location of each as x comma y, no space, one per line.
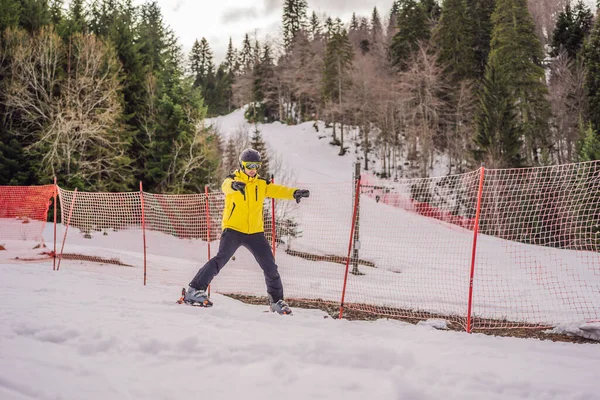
218,20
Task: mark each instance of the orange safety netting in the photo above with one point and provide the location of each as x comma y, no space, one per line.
536,262
23,211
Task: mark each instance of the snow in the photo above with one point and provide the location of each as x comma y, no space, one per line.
93,331
76,334
588,330
434,323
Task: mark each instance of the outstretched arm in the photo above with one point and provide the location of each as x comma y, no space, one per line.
280,191
287,193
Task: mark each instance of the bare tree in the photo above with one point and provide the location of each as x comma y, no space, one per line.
243,86
460,127
189,155
544,13
363,99
34,64
72,121
567,99
420,87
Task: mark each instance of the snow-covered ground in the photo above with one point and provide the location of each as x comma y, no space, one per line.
76,334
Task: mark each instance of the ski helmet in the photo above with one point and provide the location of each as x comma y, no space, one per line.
249,155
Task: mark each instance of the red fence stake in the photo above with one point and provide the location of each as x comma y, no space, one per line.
143,229
273,219
55,207
207,228
475,232
354,213
67,228
207,220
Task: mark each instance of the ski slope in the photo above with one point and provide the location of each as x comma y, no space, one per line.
422,263
77,334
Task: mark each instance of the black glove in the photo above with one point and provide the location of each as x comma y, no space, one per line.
239,186
300,193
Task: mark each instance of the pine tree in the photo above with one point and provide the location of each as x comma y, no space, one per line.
315,26
256,53
201,61
479,17
266,71
15,166
195,55
432,9
294,19
354,23
153,43
77,18
516,54
412,27
336,80
586,214
246,54
231,62
230,156
498,135
10,15
257,143
591,56
331,27
34,14
590,146
572,27
454,40
392,27
376,27
56,12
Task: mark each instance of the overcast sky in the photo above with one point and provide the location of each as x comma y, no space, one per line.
217,20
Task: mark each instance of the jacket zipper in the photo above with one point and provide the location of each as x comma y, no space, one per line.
231,213
256,192
249,230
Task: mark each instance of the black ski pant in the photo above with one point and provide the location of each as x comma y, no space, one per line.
257,244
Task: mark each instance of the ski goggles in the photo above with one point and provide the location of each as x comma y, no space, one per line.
251,164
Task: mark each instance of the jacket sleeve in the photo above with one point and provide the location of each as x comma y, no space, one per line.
280,192
226,186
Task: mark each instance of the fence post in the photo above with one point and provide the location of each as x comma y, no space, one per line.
273,219
54,251
207,219
143,228
67,229
474,251
207,227
356,238
354,215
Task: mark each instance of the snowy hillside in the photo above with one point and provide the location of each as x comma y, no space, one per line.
93,331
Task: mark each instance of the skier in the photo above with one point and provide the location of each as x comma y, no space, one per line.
243,225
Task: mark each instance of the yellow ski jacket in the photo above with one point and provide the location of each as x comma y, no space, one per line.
244,212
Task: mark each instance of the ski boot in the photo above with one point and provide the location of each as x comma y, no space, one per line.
195,297
280,307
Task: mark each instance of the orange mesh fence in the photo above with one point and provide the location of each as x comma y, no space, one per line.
104,228
23,214
537,259
538,252
417,236
176,233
